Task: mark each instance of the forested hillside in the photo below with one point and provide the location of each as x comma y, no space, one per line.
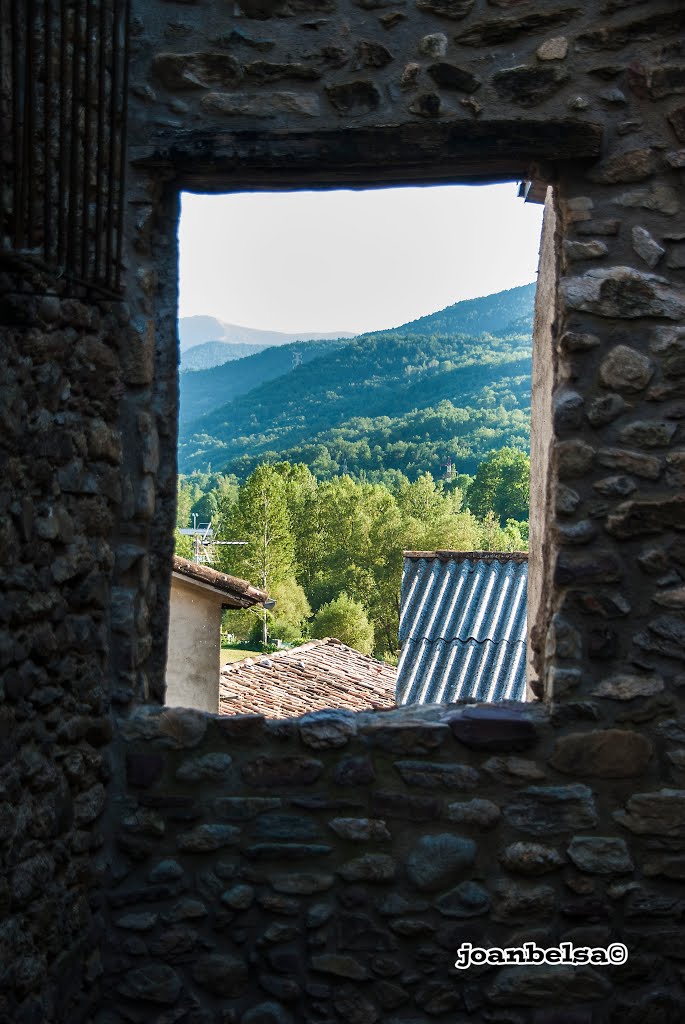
455,383
214,353
204,390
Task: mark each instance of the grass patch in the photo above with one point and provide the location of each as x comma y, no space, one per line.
237,653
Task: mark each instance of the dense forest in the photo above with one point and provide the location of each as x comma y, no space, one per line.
215,353
455,383
327,548
411,438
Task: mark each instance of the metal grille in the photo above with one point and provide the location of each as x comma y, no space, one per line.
64,84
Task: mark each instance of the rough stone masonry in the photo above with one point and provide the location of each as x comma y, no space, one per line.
166,866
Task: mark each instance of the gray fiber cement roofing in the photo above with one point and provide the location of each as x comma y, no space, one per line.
463,627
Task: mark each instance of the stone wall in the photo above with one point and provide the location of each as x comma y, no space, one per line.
60,495
314,93
328,868
278,93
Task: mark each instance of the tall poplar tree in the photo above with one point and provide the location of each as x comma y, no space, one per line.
260,517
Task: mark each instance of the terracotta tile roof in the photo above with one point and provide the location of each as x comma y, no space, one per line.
319,674
238,593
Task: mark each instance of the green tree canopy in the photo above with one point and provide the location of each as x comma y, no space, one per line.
345,619
260,517
502,486
288,620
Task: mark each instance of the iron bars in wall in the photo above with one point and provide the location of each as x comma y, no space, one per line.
64,90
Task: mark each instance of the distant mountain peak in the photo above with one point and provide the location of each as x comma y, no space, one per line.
198,329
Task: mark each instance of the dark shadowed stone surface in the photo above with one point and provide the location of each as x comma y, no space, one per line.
406,738
371,867
386,804
207,766
206,838
286,851
243,808
277,827
449,76
430,775
579,567
354,97
196,70
623,292
355,1008
659,813
531,859
600,855
626,686
541,984
574,458
633,165
605,409
437,860
492,728
359,932
302,883
266,1013
648,467
455,10
483,813
354,771
468,899
220,974
340,966
574,341
669,866
155,983
271,772
262,105
615,486
608,754
513,771
493,31
519,904
648,433
626,370
640,518
144,768
240,897
360,830
394,905
541,810
528,86
665,635
325,729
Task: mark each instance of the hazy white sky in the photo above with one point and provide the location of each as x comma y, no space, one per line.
351,261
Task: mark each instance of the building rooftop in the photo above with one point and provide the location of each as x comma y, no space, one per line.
319,674
463,626
236,593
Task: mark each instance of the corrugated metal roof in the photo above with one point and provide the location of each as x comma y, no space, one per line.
463,627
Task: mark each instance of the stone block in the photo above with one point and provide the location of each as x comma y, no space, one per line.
493,728
604,753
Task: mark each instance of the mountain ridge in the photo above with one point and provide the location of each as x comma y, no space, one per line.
393,378
195,330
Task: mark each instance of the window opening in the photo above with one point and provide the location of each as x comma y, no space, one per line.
355,386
